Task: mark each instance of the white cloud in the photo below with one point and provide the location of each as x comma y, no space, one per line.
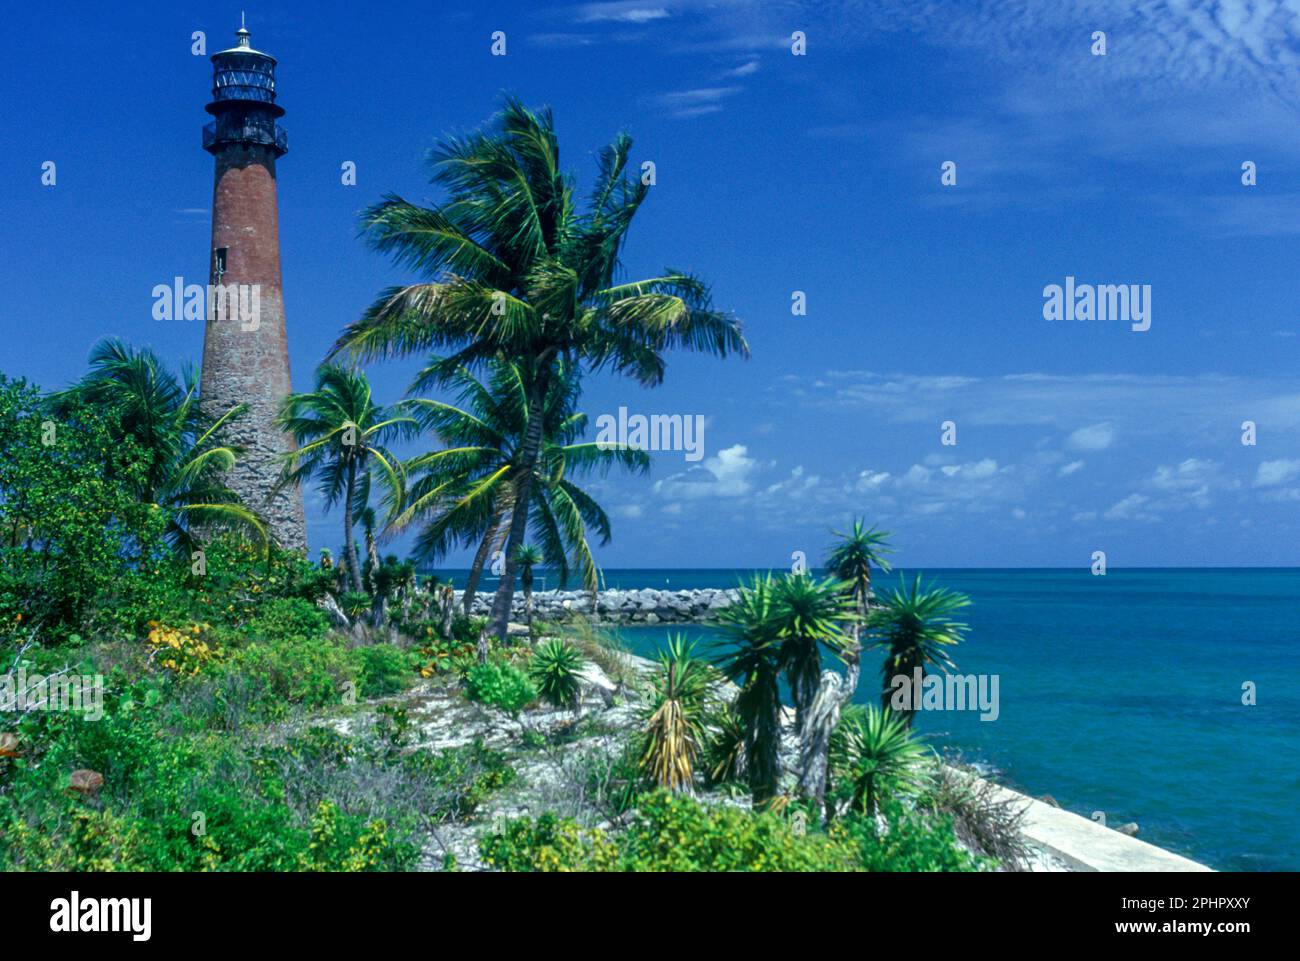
872,480
1192,480
683,104
1274,472
1068,469
749,68
726,474
1095,437
1131,508
621,13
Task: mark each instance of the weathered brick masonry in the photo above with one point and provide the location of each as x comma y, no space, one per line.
247,362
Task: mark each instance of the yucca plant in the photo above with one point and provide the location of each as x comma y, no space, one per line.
750,655
724,745
556,671
674,728
873,752
355,604
852,558
528,557
916,627
810,615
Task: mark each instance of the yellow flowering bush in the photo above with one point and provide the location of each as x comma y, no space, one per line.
183,650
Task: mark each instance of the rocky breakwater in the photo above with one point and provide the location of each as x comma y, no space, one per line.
646,606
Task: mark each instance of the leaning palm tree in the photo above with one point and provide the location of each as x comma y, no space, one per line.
527,558
465,493
916,627
186,459
517,269
340,432
750,654
874,753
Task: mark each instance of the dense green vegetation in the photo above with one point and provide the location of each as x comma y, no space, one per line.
234,731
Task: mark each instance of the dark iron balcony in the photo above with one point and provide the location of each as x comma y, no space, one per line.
270,134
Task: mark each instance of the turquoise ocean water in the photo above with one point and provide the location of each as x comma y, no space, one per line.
1122,694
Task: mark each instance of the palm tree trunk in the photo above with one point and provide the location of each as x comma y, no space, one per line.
349,540
480,559
519,518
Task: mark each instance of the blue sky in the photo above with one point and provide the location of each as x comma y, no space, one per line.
775,173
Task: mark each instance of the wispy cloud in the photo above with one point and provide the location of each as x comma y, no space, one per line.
683,104
629,12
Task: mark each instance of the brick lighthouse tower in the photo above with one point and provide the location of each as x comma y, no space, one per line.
245,351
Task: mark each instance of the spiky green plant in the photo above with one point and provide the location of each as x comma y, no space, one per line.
517,269
916,627
852,557
674,727
810,616
724,745
750,654
528,557
873,752
556,670
355,603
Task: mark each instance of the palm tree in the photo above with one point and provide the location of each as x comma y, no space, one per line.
517,270
465,492
916,627
340,433
527,558
750,655
161,412
874,752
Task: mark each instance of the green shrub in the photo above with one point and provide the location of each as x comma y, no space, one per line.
548,844
672,832
500,684
311,672
283,617
464,777
382,669
909,841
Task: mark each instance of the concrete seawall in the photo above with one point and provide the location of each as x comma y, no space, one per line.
1085,845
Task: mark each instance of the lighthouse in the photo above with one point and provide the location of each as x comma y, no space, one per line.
245,350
